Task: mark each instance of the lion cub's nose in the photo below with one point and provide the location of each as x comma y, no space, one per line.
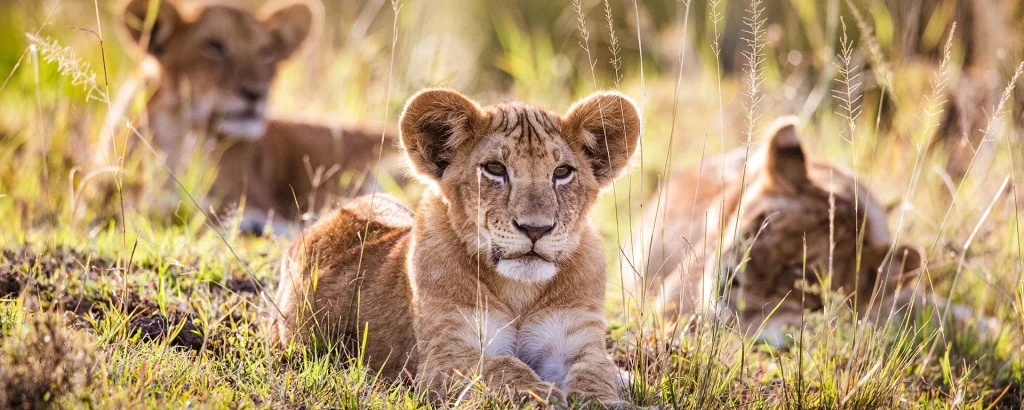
534,232
252,94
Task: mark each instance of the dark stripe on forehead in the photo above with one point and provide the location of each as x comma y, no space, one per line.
527,130
543,120
501,119
530,128
511,120
552,125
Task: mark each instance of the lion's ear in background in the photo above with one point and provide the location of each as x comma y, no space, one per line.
291,23
151,23
785,165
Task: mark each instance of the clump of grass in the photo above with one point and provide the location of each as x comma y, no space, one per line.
881,67
43,363
848,91
69,64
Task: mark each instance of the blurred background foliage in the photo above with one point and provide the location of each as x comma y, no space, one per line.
531,50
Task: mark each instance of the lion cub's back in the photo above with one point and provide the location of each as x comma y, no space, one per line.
382,209
367,225
342,268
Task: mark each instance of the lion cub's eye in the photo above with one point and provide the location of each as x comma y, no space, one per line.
214,49
495,168
562,172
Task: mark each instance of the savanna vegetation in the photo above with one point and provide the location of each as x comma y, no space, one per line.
121,288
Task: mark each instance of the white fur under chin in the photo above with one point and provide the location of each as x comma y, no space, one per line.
243,129
527,269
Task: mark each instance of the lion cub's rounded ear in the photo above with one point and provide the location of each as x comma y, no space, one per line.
434,123
151,34
290,22
785,164
606,127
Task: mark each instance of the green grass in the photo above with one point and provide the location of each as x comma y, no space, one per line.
112,300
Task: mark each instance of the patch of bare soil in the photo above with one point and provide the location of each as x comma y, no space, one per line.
17,266
244,284
29,271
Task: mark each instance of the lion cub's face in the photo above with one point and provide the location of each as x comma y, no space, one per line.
519,180
800,220
219,60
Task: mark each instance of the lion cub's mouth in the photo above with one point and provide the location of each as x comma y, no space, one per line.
526,267
245,124
244,115
532,254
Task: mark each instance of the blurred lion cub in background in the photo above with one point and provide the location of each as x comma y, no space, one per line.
211,68
760,240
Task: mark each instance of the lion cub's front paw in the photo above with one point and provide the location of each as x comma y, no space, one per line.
576,400
623,405
542,392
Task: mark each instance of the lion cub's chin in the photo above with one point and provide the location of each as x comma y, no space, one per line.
243,129
527,269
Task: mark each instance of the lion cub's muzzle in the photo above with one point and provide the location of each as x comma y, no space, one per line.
526,255
244,115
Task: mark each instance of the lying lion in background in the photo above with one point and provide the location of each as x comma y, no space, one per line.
499,273
787,215
212,69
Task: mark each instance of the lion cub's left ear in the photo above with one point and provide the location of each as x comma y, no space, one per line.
165,23
785,165
606,127
290,22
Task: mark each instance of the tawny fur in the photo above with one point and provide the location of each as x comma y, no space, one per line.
785,204
355,259
463,274
210,69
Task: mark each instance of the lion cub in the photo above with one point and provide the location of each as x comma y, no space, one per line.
498,274
789,210
212,68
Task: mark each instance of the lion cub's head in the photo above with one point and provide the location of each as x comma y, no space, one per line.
519,180
793,208
220,60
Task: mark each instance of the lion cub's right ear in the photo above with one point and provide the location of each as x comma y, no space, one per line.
161,14
434,124
291,22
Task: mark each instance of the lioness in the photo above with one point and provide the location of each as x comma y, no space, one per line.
786,217
212,68
499,274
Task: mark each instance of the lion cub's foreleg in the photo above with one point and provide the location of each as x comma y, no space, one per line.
555,353
469,342
566,347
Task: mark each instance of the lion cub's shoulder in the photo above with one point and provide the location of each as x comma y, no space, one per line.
382,209
360,223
